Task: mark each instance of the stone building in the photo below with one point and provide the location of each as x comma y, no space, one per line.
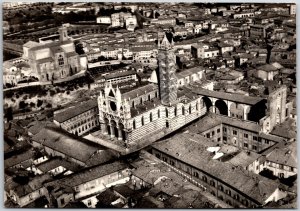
52,60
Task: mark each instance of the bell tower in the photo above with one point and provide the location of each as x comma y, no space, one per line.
167,69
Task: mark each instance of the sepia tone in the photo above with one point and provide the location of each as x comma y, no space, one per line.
149,105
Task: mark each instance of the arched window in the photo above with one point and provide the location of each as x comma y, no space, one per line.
158,113
167,114
212,183
183,110
141,100
133,124
132,104
149,97
151,117
142,120
204,178
60,60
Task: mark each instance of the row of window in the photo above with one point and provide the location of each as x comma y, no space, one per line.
167,114
255,138
211,182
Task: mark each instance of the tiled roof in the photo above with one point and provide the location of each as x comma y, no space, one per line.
189,72
139,91
284,154
248,100
19,158
119,74
244,159
189,151
92,173
54,163
66,143
75,111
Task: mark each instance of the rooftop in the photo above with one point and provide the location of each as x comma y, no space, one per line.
189,151
76,110
90,174
66,143
248,100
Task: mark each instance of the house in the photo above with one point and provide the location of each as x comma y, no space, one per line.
89,182
189,76
20,160
247,160
282,160
267,72
35,189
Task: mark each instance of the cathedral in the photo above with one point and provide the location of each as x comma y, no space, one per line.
54,59
147,110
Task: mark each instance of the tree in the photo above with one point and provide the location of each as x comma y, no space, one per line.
39,103
9,114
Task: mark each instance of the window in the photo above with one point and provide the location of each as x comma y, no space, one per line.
224,129
208,135
89,202
175,111
267,141
221,188
245,135
142,120
204,178
219,139
158,113
280,166
167,114
212,133
254,147
292,168
246,145
60,60
190,109
167,124
62,201
151,117
228,192
212,183
224,138
255,138
234,132
259,139
182,110
218,130
196,174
